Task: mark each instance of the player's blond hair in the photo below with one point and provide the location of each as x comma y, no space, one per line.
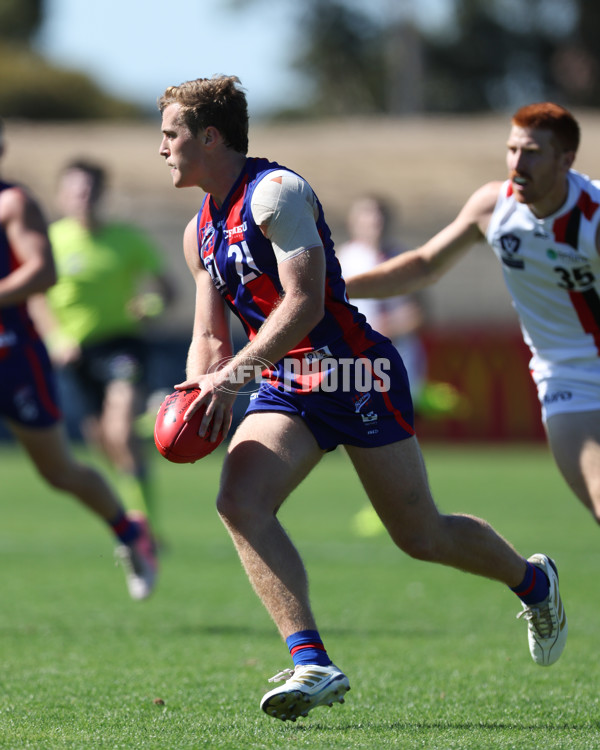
219,102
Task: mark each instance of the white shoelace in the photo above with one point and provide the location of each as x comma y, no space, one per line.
540,618
283,675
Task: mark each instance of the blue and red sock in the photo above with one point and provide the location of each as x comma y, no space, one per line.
124,528
306,647
535,587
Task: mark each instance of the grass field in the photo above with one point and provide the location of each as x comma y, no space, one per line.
436,658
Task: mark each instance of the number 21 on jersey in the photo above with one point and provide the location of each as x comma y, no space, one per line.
245,266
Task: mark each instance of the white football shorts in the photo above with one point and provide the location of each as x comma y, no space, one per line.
568,387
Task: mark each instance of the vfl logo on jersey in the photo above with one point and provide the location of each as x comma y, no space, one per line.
510,245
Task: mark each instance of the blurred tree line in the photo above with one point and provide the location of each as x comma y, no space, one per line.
383,57
380,57
30,87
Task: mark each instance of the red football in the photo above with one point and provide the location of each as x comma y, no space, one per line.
176,440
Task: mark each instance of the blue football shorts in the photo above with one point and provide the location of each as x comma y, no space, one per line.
365,401
28,395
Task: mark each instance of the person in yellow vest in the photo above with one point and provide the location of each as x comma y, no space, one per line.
93,326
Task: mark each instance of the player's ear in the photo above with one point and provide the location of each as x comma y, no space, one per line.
568,159
210,136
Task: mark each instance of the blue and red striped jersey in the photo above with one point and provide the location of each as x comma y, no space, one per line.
243,267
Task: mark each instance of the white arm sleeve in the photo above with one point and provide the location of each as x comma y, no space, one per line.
285,208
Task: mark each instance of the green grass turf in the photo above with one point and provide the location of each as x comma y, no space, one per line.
436,658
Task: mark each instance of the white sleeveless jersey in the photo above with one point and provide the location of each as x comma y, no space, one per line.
552,270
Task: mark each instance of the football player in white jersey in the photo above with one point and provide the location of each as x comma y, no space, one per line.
543,225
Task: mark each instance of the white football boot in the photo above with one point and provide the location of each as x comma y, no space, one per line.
307,686
138,560
546,621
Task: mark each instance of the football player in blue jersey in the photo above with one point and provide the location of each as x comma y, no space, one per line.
261,248
28,401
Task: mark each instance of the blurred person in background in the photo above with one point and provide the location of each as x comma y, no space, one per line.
110,280
28,397
543,224
401,319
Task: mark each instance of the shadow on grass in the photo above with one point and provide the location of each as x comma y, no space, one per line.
441,726
335,631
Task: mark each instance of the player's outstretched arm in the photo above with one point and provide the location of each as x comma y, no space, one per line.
418,268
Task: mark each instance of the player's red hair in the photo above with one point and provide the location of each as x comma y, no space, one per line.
553,117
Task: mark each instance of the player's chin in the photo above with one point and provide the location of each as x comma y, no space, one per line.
521,196
179,180
176,177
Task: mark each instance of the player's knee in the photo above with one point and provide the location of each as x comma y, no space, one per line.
117,436
236,508
71,476
590,497
595,511
418,546
56,477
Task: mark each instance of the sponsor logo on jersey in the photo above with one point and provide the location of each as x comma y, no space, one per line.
552,398
237,233
369,417
510,245
317,354
564,255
